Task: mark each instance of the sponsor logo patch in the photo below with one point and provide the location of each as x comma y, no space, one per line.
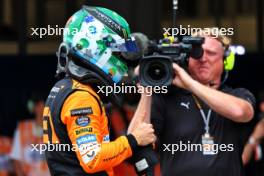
82,111
89,156
106,138
84,130
84,148
86,139
83,121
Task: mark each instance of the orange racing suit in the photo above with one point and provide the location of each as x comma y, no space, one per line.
74,115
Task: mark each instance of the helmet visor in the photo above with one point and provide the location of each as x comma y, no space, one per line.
128,45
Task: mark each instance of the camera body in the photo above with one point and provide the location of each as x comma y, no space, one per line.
156,67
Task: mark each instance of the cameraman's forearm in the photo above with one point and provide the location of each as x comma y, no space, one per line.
142,111
229,106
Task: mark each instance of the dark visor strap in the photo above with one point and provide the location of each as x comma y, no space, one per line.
106,20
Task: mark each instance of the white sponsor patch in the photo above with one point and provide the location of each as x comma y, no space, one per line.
89,156
84,148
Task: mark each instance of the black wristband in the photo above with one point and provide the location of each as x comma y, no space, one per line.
145,160
132,142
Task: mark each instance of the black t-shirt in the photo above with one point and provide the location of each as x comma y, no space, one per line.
177,120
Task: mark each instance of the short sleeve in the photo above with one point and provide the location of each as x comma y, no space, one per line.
244,128
245,94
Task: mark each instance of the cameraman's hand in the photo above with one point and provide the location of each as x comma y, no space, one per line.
182,79
136,71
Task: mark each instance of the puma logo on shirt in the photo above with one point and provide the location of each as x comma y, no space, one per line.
186,105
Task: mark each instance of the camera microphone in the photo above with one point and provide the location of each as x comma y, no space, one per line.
142,43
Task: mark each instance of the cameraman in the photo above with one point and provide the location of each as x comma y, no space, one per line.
200,109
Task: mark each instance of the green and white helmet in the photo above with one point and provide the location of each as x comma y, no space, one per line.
96,36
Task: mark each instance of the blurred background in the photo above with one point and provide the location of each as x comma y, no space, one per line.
28,62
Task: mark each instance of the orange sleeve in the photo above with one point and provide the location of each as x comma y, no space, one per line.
86,129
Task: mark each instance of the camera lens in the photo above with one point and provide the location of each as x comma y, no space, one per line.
156,71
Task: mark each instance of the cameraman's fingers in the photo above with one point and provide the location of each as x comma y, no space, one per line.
136,71
176,67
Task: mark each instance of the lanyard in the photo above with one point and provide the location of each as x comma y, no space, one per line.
205,119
